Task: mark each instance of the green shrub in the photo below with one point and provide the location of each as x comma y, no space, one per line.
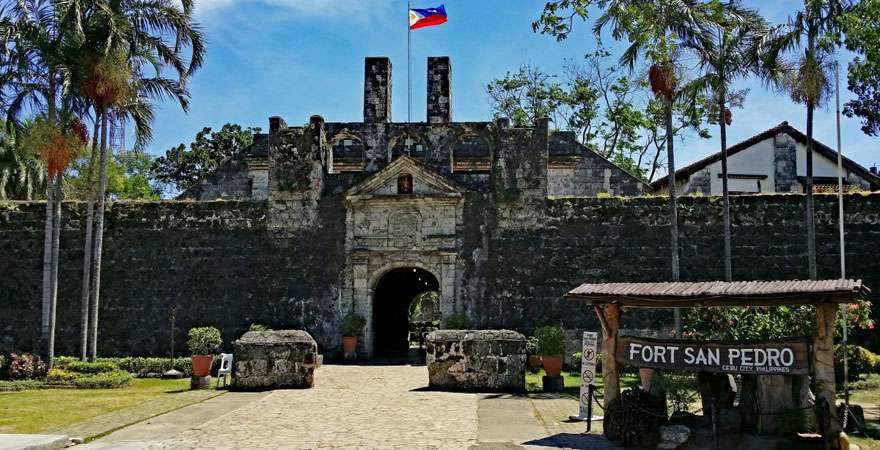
458,321
861,362
88,367
106,380
634,417
61,376
204,341
142,367
4,366
551,340
258,327
352,325
19,385
25,366
532,345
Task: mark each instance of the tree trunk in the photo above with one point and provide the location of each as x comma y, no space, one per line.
47,273
88,247
811,222
56,245
728,264
823,374
99,241
673,207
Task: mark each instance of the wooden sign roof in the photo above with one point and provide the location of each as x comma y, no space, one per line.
721,293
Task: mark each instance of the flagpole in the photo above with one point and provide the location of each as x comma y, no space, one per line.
408,64
840,231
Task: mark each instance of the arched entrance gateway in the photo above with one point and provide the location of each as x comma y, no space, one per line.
393,301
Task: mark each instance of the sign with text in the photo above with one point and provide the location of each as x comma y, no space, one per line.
784,357
589,354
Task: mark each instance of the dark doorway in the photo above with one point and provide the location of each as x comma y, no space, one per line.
391,304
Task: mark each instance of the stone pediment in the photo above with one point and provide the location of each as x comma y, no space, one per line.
425,182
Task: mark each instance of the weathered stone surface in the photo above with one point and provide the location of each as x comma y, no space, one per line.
477,360
274,359
673,436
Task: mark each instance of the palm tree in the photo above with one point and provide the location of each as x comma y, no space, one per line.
125,37
21,173
806,78
725,52
36,36
656,28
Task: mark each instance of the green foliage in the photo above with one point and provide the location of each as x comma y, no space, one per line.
532,345
258,327
19,385
861,28
551,340
861,361
91,368
148,366
681,389
22,175
181,168
129,177
634,417
457,321
610,113
203,340
425,308
101,380
352,325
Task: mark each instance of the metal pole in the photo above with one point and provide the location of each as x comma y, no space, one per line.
408,64
590,389
840,219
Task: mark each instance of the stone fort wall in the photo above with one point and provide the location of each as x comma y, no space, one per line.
224,264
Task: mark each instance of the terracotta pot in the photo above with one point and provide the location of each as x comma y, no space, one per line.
552,365
349,344
202,365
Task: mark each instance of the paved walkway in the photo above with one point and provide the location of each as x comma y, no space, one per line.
363,407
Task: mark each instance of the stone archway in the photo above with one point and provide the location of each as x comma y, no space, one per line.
393,294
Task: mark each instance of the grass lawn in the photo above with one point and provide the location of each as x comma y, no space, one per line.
39,410
573,382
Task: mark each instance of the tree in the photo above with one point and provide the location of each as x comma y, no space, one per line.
129,177
181,168
609,112
22,176
806,78
725,51
124,39
861,31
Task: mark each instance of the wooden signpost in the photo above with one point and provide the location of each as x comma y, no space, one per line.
778,357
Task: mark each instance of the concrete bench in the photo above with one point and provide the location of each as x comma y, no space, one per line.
477,360
274,359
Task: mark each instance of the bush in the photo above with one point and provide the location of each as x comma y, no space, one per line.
103,380
26,366
352,325
90,368
204,341
3,367
532,345
551,340
145,367
258,327
861,362
457,321
634,417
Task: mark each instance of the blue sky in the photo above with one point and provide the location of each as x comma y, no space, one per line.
296,58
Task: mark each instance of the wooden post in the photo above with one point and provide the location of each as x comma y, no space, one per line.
609,317
823,372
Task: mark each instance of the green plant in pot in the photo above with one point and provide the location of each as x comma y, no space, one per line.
551,347
352,326
203,343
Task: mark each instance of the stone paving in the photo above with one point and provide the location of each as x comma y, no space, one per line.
349,407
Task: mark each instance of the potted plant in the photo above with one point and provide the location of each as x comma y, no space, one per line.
534,361
551,346
352,325
203,343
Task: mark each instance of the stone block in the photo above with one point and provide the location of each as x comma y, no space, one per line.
477,360
274,359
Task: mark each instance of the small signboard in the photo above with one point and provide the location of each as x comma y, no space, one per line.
784,357
589,356
589,353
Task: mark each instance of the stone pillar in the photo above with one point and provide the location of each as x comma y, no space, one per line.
823,372
377,90
785,163
439,89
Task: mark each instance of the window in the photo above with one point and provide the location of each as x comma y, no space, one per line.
405,184
348,154
470,153
408,144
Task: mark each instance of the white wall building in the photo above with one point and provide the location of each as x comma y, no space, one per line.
772,161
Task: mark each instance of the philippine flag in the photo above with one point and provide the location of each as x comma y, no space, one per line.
428,17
